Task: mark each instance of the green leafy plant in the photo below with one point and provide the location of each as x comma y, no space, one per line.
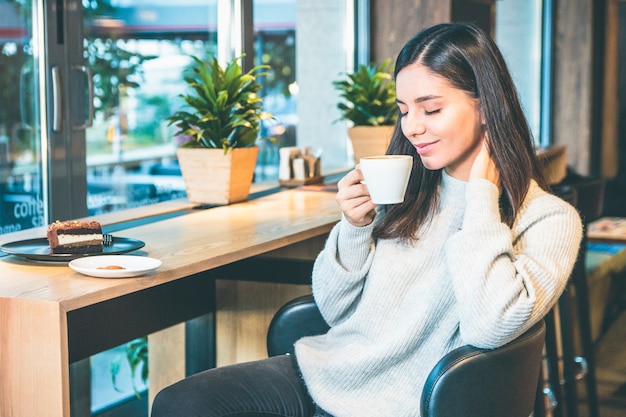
136,353
223,108
369,96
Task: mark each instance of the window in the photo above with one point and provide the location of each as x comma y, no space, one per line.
137,51
107,92
275,25
21,191
518,33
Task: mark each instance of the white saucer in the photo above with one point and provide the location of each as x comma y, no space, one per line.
133,265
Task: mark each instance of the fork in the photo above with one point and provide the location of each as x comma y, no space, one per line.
107,239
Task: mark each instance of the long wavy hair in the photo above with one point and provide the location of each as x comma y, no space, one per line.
470,61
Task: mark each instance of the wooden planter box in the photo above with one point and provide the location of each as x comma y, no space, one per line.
369,140
212,177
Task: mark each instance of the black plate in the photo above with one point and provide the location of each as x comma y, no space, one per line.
39,250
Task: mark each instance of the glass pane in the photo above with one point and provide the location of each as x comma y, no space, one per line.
518,34
137,50
21,198
307,45
275,45
113,380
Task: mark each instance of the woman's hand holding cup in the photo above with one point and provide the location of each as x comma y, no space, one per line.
354,199
376,180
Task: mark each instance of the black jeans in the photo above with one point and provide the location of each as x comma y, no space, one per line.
269,387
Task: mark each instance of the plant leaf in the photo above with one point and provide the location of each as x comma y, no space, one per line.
368,95
224,108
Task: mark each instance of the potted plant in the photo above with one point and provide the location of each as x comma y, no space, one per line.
219,125
136,353
369,104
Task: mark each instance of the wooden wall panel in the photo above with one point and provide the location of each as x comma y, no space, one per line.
393,23
244,312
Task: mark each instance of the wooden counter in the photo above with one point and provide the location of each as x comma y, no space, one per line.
51,316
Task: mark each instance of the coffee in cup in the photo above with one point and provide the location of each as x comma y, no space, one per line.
386,177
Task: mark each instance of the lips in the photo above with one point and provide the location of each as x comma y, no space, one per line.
424,148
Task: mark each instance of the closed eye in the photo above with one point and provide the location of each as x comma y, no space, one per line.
428,113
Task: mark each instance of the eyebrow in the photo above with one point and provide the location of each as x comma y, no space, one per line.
420,99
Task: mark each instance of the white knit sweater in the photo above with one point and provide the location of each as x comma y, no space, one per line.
396,309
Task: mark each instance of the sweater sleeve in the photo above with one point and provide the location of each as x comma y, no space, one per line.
340,269
505,280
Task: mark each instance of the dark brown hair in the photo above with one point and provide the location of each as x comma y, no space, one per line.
470,60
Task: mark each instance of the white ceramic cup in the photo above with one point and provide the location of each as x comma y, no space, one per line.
386,177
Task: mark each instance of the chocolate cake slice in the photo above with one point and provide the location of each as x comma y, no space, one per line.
75,237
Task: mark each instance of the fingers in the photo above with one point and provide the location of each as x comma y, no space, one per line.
354,199
351,178
484,167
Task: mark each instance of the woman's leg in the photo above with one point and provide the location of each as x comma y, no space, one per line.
269,387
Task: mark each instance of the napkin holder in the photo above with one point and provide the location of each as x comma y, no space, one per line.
299,166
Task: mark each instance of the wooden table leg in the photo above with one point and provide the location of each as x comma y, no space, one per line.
34,370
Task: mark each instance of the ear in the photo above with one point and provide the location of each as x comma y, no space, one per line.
481,112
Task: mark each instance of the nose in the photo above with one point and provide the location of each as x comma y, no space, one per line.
413,125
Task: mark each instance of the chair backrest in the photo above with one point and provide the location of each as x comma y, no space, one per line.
298,318
589,195
472,382
468,381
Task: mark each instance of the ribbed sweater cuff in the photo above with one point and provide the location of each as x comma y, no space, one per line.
353,245
482,203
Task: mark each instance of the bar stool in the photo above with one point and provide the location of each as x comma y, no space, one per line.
560,374
565,368
589,202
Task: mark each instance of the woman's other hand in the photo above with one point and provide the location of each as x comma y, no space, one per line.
354,199
484,166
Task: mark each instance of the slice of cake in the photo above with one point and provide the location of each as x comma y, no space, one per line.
75,237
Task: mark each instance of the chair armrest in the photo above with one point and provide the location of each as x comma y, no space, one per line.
298,318
473,382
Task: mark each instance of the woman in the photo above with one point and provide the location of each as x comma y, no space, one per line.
477,253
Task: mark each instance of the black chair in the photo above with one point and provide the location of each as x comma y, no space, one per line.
468,381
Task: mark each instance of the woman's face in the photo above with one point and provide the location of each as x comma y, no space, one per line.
442,122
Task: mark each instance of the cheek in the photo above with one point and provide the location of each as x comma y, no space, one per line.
403,127
470,127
